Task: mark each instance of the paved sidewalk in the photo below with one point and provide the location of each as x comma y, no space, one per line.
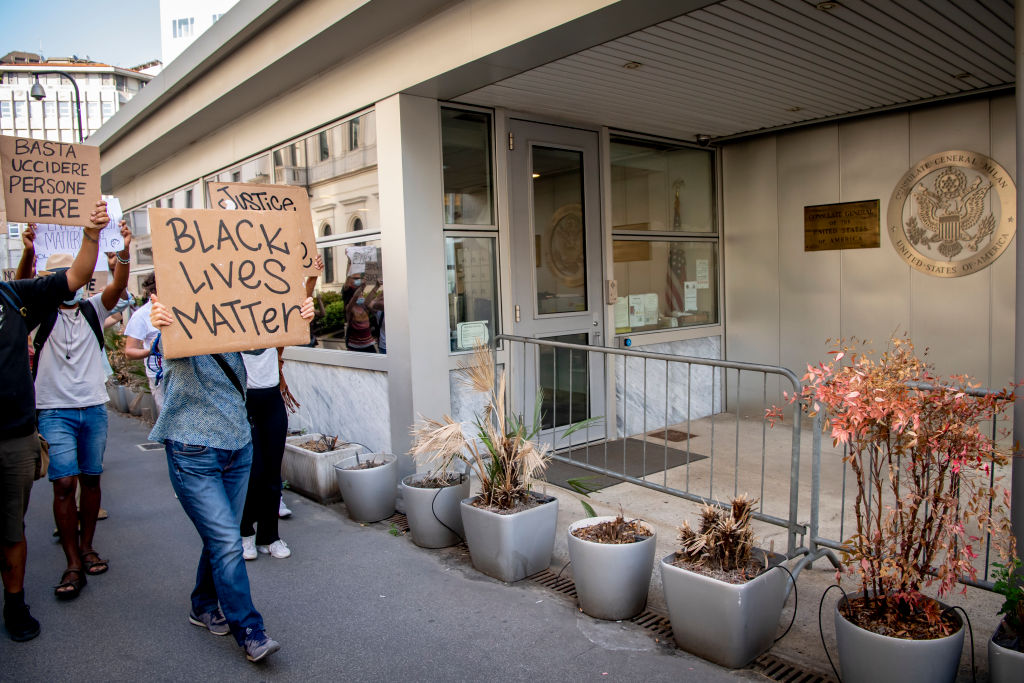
352,603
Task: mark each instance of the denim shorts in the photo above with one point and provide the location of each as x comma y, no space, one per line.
77,437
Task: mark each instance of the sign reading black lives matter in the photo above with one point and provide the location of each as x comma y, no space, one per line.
232,280
49,182
257,197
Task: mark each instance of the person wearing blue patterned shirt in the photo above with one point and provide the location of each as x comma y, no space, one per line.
208,441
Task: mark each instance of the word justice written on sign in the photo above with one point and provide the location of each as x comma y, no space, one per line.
49,182
232,280
261,197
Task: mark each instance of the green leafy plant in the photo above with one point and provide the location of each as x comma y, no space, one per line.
1008,584
504,454
582,486
128,373
914,443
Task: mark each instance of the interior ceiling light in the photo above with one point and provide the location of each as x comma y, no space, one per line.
793,108
536,175
632,65
826,6
963,75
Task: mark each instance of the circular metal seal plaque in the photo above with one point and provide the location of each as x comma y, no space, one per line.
953,213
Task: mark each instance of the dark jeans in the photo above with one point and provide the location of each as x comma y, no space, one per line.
269,421
211,484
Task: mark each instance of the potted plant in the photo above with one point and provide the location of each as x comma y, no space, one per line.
432,507
368,485
308,464
510,528
913,441
611,561
724,599
1006,646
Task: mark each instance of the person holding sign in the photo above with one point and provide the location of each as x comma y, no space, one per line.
71,400
23,303
208,442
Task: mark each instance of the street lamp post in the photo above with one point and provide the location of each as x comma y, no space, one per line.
39,93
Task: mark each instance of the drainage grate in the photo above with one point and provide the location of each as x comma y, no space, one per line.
400,521
654,622
671,435
553,581
780,670
150,446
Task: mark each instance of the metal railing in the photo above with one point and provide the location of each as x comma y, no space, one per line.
817,541
663,405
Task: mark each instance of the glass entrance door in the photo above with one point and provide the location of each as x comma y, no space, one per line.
556,273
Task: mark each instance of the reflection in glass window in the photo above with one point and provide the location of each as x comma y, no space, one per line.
350,300
661,187
290,164
665,284
472,291
466,153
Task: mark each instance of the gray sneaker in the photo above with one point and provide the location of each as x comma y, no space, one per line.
259,646
213,621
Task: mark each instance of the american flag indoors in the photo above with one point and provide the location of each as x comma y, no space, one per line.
675,277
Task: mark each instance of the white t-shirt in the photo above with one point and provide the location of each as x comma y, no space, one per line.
261,369
71,369
140,328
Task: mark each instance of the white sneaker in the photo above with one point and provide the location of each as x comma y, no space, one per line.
278,549
249,547
282,510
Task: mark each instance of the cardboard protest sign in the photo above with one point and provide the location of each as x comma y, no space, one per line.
257,197
49,182
67,239
232,280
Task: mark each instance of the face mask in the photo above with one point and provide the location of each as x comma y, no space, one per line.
361,300
357,282
79,297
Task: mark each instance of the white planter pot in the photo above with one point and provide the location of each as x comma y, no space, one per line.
435,520
369,494
511,547
118,401
311,473
134,399
1004,665
866,657
729,624
612,580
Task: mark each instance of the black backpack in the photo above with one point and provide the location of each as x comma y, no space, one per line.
46,326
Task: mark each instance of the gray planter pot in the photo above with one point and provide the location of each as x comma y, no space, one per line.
426,509
369,494
872,658
134,399
118,401
729,624
1004,665
511,547
612,580
311,473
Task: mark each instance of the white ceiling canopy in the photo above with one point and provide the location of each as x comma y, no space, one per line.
739,66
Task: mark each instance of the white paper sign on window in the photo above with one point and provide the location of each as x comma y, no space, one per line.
703,272
472,333
690,295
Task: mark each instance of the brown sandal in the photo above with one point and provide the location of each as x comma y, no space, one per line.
76,585
94,567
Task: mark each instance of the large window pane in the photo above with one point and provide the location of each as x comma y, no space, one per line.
472,291
350,299
665,284
466,159
560,244
661,187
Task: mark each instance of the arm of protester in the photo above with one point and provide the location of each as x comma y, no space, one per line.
311,280
112,292
80,271
134,349
306,312
26,266
158,313
286,394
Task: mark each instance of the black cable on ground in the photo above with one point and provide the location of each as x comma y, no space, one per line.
796,601
821,632
970,630
562,569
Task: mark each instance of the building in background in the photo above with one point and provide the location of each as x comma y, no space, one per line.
182,21
102,90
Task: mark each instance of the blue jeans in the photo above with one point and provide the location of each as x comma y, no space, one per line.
77,438
211,484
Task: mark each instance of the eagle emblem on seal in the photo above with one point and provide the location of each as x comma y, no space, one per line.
949,211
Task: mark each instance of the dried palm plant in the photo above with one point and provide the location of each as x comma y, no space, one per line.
504,454
724,540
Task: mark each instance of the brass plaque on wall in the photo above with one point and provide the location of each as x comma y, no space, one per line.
849,225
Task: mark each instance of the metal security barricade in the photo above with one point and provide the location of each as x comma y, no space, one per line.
733,448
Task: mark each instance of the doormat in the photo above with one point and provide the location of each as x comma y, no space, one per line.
671,435
559,473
